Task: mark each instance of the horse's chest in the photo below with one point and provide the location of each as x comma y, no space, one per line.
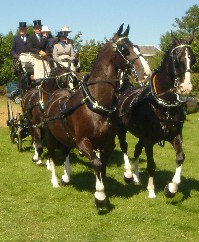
170,122
103,126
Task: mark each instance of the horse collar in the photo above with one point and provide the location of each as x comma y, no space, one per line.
156,95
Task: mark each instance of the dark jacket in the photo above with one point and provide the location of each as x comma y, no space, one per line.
34,45
18,45
51,42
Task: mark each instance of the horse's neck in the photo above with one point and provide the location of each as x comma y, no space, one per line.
163,80
49,87
104,67
102,72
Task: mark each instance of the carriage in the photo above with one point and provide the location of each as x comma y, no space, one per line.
19,126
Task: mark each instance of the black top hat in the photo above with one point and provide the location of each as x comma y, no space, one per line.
37,23
62,34
22,25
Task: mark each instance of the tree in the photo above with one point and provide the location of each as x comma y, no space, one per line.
190,22
6,64
187,25
88,54
155,61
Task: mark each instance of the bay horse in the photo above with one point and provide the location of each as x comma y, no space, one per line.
86,119
155,113
33,104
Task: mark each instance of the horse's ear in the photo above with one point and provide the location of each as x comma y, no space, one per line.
189,41
126,32
120,30
174,39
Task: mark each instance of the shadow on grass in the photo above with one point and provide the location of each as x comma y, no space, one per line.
117,158
86,182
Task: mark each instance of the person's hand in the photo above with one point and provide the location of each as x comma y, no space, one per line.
42,53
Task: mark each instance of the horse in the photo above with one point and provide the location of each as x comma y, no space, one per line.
33,103
155,113
85,120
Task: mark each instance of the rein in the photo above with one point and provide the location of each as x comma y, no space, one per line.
91,103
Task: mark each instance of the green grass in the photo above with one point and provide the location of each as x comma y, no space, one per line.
31,210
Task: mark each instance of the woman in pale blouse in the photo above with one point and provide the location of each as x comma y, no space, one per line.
63,51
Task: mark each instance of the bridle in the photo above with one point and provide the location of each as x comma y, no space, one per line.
152,87
129,64
173,57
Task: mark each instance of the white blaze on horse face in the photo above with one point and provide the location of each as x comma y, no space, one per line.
186,86
147,70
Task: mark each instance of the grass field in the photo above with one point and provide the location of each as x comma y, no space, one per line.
31,210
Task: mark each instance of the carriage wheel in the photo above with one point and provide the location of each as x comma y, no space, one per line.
10,121
19,138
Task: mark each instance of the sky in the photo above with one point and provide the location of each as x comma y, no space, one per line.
98,19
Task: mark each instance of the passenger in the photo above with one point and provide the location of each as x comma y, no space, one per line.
46,33
36,53
19,46
63,51
54,40
19,41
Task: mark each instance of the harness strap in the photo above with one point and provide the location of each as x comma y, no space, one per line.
93,104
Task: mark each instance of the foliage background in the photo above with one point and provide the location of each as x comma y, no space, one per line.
88,51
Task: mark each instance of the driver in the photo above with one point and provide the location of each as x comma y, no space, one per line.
36,53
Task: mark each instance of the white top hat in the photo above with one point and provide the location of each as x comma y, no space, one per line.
45,29
66,29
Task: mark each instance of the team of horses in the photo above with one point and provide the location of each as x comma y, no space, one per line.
102,106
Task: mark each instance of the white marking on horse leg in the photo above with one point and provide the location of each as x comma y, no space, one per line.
48,165
67,170
54,179
127,166
173,186
39,162
150,188
100,194
136,177
36,155
97,154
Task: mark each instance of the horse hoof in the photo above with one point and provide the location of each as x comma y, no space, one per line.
128,180
167,193
63,183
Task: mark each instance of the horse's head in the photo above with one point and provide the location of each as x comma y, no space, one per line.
128,56
64,77
182,59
